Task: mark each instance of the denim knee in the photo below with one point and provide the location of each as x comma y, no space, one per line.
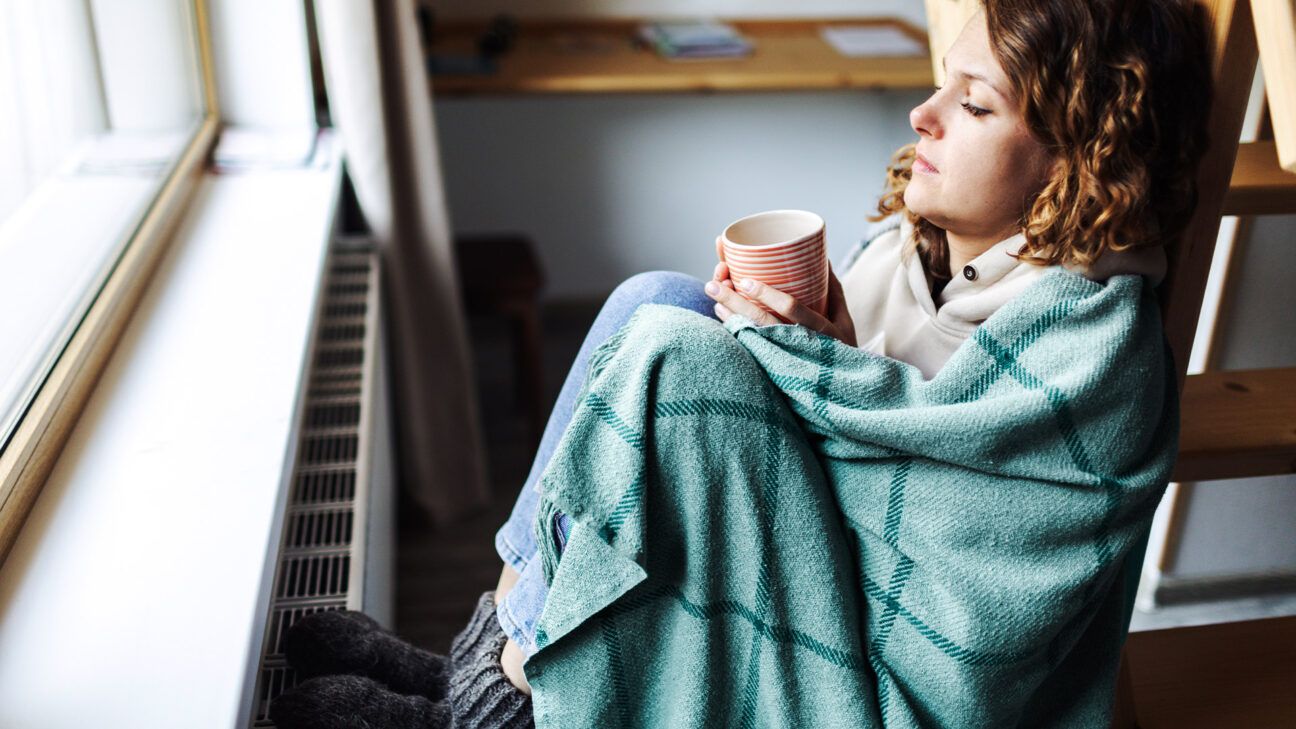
662,287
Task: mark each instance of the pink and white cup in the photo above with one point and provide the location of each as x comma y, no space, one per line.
785,249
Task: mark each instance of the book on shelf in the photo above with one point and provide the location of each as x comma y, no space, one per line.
680,40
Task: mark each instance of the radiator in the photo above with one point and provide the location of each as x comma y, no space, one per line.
337,538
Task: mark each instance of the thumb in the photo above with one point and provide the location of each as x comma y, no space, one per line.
837,310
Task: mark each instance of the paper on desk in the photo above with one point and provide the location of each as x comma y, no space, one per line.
871,40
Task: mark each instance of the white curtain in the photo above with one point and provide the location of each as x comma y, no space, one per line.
381,104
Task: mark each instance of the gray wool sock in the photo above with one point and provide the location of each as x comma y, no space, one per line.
347,702
481,696
347,642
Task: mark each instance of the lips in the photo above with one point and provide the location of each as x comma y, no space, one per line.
922,165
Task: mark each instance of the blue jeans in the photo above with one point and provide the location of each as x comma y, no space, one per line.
516,540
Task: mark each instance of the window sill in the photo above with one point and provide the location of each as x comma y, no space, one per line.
133,594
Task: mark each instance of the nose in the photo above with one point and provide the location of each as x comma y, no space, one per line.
924,119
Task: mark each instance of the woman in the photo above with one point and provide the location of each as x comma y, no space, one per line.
1066,137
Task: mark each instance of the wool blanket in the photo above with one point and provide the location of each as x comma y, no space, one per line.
773,528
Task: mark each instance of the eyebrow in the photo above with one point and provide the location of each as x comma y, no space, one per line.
976,77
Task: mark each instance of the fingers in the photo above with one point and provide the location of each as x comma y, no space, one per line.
836,296
721,272
784,306
838,311
720,247
729,302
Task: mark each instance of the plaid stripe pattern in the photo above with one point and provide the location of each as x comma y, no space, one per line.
774,529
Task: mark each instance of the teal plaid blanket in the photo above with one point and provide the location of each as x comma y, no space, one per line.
772,528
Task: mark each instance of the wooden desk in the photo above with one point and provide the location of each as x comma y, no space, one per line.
603,57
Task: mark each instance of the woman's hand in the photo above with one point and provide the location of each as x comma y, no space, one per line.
836,322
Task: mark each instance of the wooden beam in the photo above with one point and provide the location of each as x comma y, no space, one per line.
1259,185
1233,66
1237,424
1275,23
945,20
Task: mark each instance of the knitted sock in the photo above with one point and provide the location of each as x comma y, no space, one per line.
481,695
347,702
348,642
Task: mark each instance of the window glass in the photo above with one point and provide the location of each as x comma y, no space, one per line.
98,99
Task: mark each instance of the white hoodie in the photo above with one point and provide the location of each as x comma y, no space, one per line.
890,299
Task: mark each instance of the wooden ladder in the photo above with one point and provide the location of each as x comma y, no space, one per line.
1240,423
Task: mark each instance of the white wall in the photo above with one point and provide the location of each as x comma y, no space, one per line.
609,186
1261,330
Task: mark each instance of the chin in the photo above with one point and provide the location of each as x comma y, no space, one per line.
918,203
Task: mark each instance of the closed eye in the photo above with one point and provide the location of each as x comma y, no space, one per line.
974,110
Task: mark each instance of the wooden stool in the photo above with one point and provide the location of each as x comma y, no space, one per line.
500,275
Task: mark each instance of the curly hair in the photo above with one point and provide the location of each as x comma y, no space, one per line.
1119,91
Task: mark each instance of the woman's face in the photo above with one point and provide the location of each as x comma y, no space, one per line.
977,166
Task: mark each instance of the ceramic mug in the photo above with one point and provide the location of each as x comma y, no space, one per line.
785,249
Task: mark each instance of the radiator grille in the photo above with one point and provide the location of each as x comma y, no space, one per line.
339,357
343,413
272,681
320,558
312,576
343,332
335,382
280,620
343,308
331,448
324,485
324,528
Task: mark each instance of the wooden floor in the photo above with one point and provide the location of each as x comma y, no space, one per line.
1231,675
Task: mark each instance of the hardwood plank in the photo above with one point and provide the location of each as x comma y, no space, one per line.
1259,186
1225,675
1237,424
602,57
1275,22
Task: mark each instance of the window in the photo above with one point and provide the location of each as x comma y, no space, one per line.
106,112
